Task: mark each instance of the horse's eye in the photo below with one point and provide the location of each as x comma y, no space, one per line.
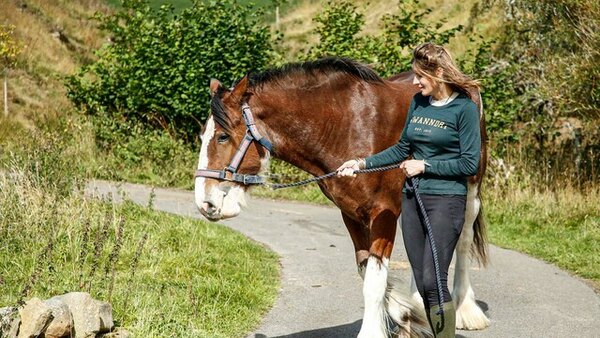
223,138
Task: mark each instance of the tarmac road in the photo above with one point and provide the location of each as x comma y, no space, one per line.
321,294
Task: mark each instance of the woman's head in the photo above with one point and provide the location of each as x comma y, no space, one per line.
434,64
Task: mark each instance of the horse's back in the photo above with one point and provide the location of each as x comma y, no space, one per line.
404,77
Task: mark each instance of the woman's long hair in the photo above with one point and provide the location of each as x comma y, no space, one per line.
428,57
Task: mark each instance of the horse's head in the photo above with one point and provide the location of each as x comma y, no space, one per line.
229,159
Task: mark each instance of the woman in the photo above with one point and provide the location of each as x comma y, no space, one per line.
442,135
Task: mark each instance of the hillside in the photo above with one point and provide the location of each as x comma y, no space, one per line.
297,25
57,38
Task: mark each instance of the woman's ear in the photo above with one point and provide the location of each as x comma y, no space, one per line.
439,73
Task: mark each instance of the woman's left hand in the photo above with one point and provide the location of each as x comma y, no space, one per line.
413,167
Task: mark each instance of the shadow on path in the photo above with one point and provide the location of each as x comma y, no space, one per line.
346,330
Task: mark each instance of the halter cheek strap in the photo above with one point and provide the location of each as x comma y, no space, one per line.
250,126
230,173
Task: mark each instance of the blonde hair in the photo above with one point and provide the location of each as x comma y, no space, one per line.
429,57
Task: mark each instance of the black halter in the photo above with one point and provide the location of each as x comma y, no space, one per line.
229,173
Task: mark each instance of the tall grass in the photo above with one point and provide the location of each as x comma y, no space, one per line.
127,152
561,226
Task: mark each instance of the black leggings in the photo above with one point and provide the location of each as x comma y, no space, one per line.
446,216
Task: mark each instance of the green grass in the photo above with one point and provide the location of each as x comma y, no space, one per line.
177,4
128,153
191,278
310,194
182,4
562,228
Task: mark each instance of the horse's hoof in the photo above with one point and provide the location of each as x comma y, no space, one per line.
469,316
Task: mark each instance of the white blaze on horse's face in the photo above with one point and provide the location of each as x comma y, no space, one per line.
214,199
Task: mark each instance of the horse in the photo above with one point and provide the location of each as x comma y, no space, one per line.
315,115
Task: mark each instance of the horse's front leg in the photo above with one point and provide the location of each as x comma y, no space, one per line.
381,295
382,234
469,315
373,246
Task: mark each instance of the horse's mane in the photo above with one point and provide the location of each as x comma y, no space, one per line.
324,66
328,65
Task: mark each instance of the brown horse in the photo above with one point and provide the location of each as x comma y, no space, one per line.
316,115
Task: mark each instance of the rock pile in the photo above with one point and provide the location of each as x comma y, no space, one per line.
74,315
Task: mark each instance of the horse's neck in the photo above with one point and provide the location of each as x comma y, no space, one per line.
299,133
317,130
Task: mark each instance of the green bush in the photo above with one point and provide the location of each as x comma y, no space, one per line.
157,67
130,152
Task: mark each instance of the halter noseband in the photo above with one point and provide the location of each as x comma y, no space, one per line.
229,173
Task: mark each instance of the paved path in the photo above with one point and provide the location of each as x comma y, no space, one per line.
320,292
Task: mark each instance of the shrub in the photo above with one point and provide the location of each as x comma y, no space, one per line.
157,67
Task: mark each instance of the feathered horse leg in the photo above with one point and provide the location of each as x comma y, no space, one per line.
469,315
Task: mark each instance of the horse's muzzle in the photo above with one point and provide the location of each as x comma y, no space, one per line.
209,211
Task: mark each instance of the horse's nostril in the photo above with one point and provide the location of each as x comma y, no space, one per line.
209,207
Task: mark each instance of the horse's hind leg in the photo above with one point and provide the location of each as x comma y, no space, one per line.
468,314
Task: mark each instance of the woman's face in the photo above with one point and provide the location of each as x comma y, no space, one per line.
426,84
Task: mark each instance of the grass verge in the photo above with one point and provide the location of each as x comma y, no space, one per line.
165,276
560,227
310,193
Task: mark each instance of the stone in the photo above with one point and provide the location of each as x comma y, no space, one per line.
35,317
9,322
90,316
62,323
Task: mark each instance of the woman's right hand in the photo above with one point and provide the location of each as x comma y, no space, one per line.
349,167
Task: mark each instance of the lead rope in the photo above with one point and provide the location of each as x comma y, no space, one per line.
328,175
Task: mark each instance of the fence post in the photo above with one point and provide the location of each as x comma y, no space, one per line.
5,93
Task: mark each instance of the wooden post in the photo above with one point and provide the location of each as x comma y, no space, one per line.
277,17
5,93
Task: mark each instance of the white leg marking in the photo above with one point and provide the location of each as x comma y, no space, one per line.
209,133
374,289
468,314
414,292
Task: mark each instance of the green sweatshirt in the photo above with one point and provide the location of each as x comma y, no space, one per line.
447,137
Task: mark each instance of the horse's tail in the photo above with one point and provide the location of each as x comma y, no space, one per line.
479,246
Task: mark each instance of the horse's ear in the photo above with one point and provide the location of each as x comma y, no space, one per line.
240,89
214,86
